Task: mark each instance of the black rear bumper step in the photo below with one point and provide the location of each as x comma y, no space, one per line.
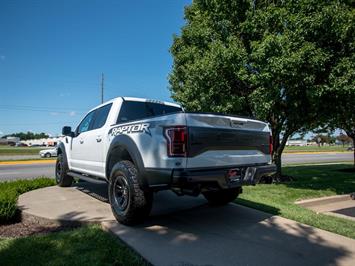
250,175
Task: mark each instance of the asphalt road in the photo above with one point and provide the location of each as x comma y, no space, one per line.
19,157
29,171
26,171
290,158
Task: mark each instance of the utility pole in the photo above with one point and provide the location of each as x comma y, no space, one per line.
102,87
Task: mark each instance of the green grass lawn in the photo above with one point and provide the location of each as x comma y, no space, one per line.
89,245
9,192
313,181
84,246
336,148
7,150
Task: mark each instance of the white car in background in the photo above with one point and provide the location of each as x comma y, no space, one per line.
48,153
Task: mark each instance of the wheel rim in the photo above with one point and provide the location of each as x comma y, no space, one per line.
121,193
58,170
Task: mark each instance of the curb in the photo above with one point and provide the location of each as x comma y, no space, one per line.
322,200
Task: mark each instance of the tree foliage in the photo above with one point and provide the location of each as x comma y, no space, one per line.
27,135
273,60
344,139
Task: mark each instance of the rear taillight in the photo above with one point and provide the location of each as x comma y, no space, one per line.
271,146
177,141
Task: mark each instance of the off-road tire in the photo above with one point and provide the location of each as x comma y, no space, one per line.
221,197
134,205
61,169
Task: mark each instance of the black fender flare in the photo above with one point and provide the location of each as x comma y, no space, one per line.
61,150
124,142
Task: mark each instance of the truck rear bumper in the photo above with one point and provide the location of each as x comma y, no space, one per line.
224,177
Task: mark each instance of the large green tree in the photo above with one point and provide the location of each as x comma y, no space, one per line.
268,59
341,93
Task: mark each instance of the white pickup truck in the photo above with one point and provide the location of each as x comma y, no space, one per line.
141,146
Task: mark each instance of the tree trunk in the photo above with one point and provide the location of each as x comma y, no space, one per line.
351,134
278,162
278,148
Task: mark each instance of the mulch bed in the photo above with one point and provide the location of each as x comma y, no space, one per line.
347,170
29,227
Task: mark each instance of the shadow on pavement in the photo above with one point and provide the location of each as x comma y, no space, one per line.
97,191
186,231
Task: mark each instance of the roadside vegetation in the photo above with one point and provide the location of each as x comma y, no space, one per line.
266,59
311,182
88,245
7,150
9,192
290,149
84,246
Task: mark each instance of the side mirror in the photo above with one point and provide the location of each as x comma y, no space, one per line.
66,131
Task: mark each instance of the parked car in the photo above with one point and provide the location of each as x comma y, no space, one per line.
141,146
20,144
350,149
48,153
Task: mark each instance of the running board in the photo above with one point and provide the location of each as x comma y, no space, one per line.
90,179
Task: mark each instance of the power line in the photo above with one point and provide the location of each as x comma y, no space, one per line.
102,87
40,108
37,123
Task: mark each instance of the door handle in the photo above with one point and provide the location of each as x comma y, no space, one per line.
98,139
81,141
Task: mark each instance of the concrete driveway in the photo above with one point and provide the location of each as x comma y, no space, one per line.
185,231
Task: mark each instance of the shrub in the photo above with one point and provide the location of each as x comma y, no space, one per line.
9,192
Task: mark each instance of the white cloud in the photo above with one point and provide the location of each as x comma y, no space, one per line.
54,113
72,113
1,133
64,94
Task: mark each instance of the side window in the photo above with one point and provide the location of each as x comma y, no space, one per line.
101,116
85,124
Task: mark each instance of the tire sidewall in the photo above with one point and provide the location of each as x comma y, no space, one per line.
59,176
116,174
62,179
139,202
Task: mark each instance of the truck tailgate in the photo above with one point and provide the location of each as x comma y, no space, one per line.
221,141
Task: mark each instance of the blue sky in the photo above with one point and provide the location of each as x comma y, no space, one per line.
52,54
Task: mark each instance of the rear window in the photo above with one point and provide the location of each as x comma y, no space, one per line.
140,110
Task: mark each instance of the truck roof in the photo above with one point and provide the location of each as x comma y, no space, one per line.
136,100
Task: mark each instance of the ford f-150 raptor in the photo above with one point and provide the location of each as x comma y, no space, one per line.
141,146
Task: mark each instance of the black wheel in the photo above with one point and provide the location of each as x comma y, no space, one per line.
61,169
47,155
221,197
129,203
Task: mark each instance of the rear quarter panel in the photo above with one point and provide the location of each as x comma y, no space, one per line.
148,135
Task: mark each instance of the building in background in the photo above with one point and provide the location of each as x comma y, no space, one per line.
49,142
298,142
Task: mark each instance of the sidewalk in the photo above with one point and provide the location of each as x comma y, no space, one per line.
185,231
